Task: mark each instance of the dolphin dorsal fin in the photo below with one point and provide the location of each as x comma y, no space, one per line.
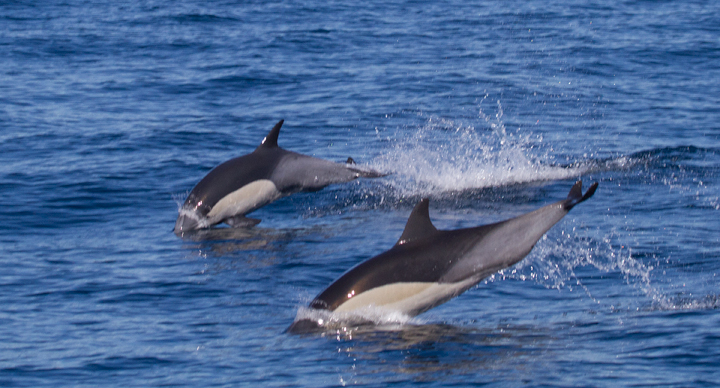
271,139
418,224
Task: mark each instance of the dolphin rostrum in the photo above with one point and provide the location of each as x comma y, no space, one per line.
246,183
428,267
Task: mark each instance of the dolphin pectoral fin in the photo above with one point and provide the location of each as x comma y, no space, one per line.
242,222
576,196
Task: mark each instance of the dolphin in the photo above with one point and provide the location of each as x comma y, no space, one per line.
428,267
246,183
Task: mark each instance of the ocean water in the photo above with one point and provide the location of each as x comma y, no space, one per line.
111,112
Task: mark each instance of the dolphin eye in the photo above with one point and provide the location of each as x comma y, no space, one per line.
351,294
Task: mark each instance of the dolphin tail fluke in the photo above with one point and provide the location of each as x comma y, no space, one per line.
576,196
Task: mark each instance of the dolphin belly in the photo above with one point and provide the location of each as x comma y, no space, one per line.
409,298
244,200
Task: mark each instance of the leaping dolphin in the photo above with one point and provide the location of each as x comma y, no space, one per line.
246,183
428,267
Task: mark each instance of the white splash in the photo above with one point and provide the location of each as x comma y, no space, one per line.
554,261
444,155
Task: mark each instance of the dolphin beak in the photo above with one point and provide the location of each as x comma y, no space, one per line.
185,223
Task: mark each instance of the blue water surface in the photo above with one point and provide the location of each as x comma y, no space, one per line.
110,112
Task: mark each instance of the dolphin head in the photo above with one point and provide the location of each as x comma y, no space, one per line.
185,223
190,217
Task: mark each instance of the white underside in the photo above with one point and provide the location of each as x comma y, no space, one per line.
244,200
407,298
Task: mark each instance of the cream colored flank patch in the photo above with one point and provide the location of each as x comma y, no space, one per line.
244,200
403,297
